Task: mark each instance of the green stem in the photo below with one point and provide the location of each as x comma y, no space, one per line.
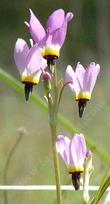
53,112
56,164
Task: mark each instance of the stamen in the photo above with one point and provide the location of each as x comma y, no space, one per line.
82,104
28,90
76,176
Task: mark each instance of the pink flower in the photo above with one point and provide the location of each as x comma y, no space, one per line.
52,38
29,62
82,82
74,153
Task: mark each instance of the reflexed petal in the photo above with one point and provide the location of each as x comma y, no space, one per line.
59,35
36,29
91,75
69,16
62,145
70,76
21,51
48,40
77,150
55,20
34,60
80,72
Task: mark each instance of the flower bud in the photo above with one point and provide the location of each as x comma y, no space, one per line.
47,83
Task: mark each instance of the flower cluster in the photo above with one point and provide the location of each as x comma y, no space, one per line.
45,49
32,64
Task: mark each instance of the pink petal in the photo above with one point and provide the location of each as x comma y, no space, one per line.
69,16
34,60
78,150
43,63
58,37
36,29
91,76
80,72
21,51
62,144
55,20
70,76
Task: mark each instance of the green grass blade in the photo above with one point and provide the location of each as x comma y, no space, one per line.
102,191
66,124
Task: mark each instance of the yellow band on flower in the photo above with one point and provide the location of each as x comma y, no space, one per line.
73,169
30,79
83,95
46,51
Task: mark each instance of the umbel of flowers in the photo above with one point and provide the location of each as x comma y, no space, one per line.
39,61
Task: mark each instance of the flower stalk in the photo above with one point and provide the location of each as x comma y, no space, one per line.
87,173
53,112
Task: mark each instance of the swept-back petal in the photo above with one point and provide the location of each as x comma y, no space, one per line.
69,16
36,29
55,20
70,76
21,51
62,145
58,37
78,151
80,72
91,75
34,60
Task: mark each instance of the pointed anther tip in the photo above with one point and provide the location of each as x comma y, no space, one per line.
81,111
76,176
28,90
81,105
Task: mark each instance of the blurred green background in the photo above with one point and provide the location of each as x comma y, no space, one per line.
88,40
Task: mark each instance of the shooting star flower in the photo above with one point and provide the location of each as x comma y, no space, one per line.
52,38
29,62
82,82
73,152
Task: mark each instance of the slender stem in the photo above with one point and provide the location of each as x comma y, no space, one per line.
56,164
62,89
53,112
7,166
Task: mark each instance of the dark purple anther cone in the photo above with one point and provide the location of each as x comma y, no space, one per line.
28,90
82,104
51,59
76,176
